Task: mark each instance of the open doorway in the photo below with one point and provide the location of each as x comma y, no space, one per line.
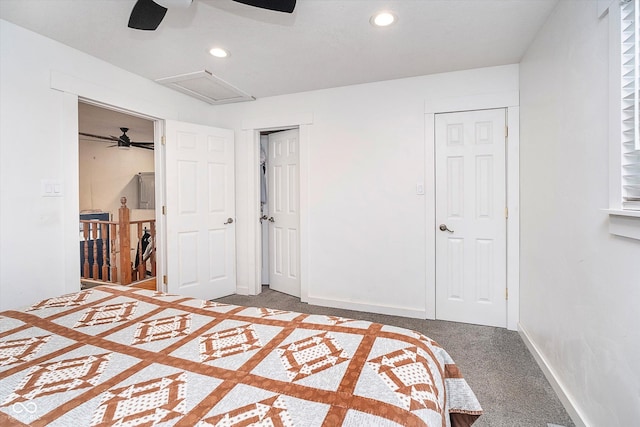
280,209
116,172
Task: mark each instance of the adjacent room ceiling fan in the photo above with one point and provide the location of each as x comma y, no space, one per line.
121,141
148,14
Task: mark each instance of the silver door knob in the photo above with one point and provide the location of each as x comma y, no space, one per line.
443,227
229,221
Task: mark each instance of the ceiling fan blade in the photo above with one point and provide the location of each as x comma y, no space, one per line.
142,145
108,138
277,5
146,15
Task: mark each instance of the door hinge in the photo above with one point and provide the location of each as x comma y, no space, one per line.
506,292
506,213
164,279
506,131
163,140
164,210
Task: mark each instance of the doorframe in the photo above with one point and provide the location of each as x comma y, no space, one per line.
158,163
511,102
76,90
250,271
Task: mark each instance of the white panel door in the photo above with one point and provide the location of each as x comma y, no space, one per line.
200,210
284,212
470,217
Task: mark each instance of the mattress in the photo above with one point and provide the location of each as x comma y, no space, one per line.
115,355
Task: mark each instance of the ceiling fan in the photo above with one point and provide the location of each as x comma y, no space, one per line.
121,141
148,14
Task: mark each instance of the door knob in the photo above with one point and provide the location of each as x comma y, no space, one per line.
271,219
229,221
443,227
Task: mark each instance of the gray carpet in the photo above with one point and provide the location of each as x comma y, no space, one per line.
495,362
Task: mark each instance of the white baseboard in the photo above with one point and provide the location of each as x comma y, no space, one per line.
242,290
564,396
370,308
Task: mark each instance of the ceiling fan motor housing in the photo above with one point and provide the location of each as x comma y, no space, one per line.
169,4
124,140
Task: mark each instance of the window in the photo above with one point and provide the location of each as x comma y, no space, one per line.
629,71
624,116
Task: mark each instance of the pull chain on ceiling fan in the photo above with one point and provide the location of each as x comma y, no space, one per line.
148,14
122,141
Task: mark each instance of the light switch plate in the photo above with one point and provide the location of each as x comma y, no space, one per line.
420,188
51,188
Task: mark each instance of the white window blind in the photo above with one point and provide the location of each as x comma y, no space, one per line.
630,97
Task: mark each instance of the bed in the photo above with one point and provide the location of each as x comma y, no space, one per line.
115,355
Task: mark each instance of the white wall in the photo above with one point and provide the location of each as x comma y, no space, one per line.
367,153
366,228
38,139
580,286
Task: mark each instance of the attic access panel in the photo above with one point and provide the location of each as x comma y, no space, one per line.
206,87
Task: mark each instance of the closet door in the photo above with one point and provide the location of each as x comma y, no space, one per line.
284,212
470,217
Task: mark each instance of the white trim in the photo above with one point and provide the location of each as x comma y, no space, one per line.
76,90
243,290
270,123
513,221
245,262
561,390
71,179
509,101
305,143
622,212
104,96
472,102
624,223
615,149
430,214
368,308
251,137
160,169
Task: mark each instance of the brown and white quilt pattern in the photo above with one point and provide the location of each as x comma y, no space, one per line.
121,356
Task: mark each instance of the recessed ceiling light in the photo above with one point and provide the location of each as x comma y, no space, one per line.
219,52
383,19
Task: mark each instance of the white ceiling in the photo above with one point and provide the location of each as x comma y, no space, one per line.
323,44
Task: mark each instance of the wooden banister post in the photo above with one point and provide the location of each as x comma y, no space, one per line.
85,255
124,233
114,265
94,238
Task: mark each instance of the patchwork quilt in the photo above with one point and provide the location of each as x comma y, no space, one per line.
115,355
